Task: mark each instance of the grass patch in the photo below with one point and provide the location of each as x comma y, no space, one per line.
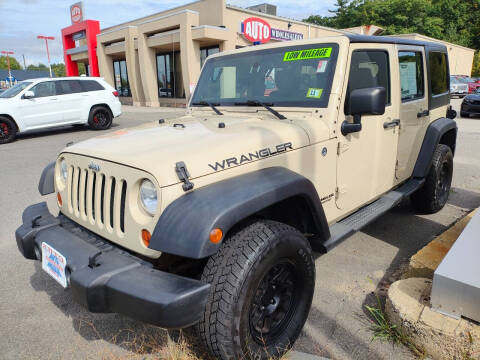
384,330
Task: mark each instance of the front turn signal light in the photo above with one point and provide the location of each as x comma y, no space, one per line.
216,235
146,236
59,199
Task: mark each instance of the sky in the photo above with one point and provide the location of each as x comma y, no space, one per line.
22,20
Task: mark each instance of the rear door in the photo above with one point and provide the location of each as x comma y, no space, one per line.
43,109
414,113
71,99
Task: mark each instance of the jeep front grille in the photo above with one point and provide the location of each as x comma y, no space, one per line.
97,198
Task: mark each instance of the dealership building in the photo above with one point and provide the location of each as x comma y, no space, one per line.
156,60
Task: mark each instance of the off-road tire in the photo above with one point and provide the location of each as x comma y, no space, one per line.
242,274
464,114
8,130
100,118
433,195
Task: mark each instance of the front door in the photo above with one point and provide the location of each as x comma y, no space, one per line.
43,109
414,114
366,159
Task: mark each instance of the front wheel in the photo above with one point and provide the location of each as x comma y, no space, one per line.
433,195
262,282
8,130
100,118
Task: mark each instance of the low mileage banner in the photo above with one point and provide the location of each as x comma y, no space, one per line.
307,54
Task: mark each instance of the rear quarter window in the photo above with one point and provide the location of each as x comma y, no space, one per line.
91,85
438,72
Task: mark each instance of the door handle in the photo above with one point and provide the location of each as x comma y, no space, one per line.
423,113
53,98
391,124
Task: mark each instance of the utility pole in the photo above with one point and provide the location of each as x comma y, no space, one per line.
46,38
24,63
8,65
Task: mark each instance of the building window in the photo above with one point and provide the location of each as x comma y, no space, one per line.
411,75
121,77
206,52
168,75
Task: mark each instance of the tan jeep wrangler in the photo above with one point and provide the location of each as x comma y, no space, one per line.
209,220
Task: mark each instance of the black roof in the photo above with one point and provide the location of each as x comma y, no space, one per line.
356,38
21,75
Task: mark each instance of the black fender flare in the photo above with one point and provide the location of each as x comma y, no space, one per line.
46,184
185,225
432,138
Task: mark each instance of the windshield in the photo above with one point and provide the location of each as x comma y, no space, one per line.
14,90
287,76
465,80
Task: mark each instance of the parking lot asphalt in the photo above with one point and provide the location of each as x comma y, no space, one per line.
40,320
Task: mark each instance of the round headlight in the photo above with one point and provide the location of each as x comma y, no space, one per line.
63,169
148,196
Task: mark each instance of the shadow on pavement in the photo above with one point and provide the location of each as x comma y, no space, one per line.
58,130
408,232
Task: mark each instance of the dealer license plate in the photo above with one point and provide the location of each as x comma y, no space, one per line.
54,264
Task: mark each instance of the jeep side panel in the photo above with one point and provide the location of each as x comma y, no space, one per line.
184,227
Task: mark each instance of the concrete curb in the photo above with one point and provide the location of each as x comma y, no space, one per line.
442,337
425,262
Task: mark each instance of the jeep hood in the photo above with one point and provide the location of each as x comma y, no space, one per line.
200,143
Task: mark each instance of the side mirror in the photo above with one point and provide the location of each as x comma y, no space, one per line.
28,94
368,101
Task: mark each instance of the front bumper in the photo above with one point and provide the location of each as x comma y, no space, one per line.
105,278
472,109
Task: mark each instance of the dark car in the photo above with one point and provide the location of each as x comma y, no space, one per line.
471,104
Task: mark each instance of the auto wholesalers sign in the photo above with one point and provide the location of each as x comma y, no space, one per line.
257,30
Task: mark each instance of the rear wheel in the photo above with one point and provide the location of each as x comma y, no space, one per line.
100,118
262,282
464,114
8,130
433,196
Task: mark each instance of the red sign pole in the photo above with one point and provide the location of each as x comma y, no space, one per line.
46,38
8,64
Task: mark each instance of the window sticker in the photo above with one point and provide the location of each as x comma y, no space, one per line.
314,93
408,79
322,66
307,54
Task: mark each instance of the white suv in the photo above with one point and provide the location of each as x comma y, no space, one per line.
40,103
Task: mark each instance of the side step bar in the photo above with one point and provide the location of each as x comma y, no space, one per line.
354,222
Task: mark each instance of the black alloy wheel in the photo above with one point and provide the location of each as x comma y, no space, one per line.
274,303
8,130
100,118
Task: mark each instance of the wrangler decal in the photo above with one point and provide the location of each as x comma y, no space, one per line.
262,153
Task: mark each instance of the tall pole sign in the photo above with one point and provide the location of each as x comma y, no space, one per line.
8,65
46,38
76,12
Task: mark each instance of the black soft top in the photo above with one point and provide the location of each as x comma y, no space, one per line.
356,38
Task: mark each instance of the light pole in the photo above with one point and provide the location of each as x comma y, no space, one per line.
46,38
8,65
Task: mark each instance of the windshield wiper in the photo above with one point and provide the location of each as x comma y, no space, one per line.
205,103
264,104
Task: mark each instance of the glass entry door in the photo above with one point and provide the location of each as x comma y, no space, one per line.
168,75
